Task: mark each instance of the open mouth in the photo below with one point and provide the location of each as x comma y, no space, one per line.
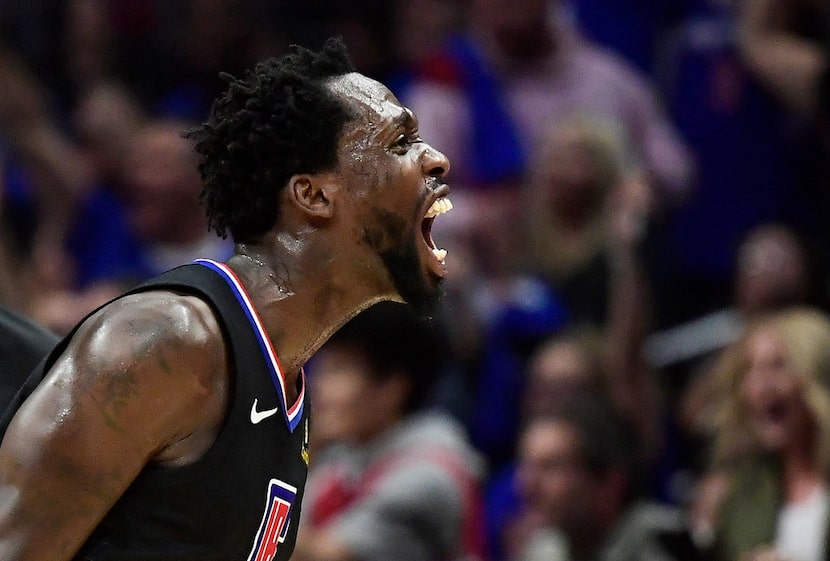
777,411
439,206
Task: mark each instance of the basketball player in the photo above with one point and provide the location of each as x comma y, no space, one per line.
172,424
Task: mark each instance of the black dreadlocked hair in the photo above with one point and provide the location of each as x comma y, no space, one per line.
279,120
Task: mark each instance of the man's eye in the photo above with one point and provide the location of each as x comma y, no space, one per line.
404,141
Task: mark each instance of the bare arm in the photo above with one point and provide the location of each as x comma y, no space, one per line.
788,64
631,384
143,381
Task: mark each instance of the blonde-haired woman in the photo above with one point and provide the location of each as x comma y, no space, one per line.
766,495
585,212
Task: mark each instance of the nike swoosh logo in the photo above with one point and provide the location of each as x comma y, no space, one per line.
259,416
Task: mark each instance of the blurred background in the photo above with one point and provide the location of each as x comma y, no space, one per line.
641,192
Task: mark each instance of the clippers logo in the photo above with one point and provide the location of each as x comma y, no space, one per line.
275,521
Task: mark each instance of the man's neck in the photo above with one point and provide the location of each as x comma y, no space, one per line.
301,299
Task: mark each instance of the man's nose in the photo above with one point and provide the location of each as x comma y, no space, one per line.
435,163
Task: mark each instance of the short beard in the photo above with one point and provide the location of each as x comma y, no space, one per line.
403,264
405,270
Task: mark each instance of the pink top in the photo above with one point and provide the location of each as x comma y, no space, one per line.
578,77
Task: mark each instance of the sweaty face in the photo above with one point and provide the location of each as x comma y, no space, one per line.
395,182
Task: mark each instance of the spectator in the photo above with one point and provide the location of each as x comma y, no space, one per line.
502,81
389,478
104,122
564,368
160,187
155,223
578,191
774,268
756,163
567,366
765,494
774,271
579,496
572,367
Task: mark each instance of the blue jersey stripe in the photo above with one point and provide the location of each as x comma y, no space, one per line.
291,415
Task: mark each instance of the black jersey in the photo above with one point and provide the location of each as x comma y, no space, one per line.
241,500
23,344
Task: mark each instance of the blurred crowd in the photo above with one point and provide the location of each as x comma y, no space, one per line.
633,361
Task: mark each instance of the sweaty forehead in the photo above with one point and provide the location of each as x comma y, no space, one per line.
369,97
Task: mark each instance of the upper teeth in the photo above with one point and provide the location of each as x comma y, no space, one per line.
440,206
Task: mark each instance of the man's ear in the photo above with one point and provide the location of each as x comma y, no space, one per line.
313,193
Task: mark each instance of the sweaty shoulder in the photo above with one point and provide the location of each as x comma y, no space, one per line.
157,357
141,381
158,325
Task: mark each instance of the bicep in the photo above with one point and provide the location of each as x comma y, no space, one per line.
113,400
